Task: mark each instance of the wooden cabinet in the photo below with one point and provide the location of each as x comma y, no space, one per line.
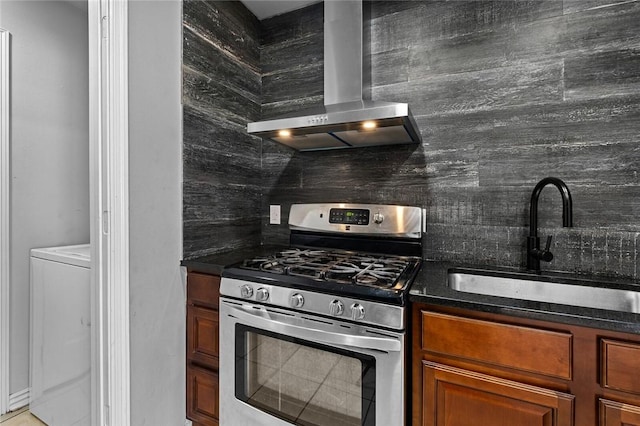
203,336
479,368
202,395
620,362
614,413
456,397
503,345
203,292
620,374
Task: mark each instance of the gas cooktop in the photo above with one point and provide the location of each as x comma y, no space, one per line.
367,275
346,267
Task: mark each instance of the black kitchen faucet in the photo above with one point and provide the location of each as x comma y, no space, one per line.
534,254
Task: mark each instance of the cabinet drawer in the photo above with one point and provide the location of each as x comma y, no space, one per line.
203,289
620,365
203,336
613,413
202,396
522,348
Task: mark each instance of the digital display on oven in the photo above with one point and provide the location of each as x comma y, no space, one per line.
349,216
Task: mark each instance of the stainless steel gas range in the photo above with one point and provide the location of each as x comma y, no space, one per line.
318,330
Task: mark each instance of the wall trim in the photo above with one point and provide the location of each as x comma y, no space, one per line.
19,399
109,162
5,223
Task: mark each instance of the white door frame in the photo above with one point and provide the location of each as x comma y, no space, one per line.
109,184
5,225
109,189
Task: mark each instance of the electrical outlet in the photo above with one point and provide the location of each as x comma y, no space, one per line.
274,214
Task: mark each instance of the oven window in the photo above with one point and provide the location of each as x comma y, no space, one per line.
303,382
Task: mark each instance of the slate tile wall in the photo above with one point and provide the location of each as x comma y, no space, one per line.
292,61
505,93
221,93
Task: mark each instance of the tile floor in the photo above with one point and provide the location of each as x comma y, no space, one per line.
25,418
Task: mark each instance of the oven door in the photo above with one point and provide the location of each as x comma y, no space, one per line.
279,367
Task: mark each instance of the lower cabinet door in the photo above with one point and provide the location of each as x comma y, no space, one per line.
614,413
203,336
202,396
456,397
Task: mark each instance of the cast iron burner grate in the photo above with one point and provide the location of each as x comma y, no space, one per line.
344,267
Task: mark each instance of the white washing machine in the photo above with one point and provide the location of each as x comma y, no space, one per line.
60,392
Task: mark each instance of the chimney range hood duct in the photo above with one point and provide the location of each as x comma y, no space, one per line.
346,120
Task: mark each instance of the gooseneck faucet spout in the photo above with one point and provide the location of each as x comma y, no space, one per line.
534,253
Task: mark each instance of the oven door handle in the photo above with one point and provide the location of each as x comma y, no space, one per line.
320,336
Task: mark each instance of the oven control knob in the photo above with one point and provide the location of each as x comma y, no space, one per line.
246,291
262,294
336,308
357,311
378,218
297,300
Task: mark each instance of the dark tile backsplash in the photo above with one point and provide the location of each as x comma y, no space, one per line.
504,92
223,189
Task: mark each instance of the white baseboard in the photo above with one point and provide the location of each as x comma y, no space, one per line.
19,399
187,422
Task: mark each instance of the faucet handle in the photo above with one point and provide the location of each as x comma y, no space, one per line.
546,255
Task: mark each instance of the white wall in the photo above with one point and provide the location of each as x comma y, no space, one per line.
157,292
50,147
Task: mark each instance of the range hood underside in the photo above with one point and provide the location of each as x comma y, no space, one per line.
340,126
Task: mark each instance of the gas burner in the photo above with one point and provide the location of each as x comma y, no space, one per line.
273,266
366,279
381,277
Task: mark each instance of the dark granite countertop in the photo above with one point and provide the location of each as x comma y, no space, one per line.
431,286
215,263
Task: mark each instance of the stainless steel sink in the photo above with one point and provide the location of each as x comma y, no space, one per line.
542,289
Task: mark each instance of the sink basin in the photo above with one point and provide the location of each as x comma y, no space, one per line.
544,289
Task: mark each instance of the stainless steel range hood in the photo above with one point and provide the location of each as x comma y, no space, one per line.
346,120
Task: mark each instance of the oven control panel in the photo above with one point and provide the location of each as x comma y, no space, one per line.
378,220
310,302
349,216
